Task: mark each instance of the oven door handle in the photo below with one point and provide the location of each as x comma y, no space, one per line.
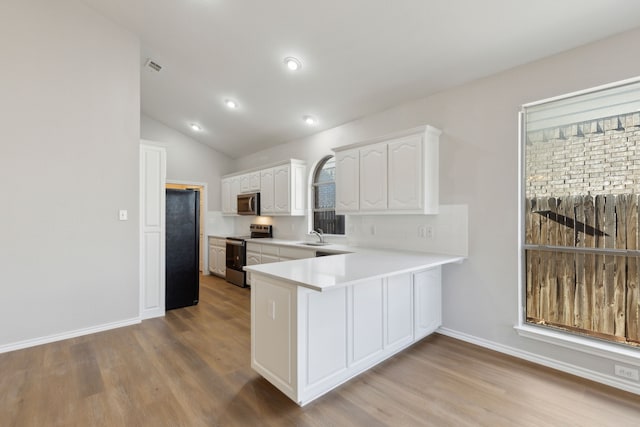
235,243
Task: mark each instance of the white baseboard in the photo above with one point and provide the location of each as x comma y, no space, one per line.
599,377
66,335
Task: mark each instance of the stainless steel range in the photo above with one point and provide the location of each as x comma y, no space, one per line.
237,253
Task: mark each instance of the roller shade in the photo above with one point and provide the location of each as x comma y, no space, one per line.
598,103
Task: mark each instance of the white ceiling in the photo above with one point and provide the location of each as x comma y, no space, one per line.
359,56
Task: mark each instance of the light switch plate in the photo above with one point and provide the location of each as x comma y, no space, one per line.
123,215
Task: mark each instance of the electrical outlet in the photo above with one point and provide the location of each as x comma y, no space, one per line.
422,232
626,372
428,232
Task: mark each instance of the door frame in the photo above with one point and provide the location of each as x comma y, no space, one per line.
204,203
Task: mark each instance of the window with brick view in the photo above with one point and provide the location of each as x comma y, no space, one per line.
581,184
324,198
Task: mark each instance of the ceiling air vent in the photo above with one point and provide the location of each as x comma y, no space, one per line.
153,65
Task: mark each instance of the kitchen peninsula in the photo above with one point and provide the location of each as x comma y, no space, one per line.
317,322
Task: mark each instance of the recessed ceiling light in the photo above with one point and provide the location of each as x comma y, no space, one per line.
231,103
292,63
310,120
195,127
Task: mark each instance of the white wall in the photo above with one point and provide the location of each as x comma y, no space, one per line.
188,159
479,167
68,162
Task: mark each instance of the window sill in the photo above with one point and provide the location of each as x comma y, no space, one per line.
591,346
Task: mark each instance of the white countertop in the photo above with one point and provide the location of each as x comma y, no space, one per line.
346,269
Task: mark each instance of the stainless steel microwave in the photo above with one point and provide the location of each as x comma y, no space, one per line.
249,204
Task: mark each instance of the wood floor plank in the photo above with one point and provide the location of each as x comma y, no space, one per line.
192,368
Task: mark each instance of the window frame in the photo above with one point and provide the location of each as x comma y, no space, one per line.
312,193
563,338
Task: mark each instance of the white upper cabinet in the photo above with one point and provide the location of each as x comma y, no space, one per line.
405,173
282,188
373,177
348,175
266,191
393,174
226,195
250,182
230,187
235,189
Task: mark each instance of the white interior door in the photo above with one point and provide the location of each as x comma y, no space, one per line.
153,161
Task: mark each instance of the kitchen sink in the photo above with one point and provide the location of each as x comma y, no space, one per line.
313,243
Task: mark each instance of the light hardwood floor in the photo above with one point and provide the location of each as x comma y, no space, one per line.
192,368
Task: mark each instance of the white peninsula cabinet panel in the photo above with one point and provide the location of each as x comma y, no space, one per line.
428,302
348,175
307,342
399,321
393,174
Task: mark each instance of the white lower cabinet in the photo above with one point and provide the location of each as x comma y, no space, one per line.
253,258
217,256
266,253
367,312
307,342
399,320
428,302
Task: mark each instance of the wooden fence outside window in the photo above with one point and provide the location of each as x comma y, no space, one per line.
587,282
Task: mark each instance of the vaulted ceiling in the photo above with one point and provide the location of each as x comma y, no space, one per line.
358,56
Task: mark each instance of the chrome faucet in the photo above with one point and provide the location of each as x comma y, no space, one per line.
319,234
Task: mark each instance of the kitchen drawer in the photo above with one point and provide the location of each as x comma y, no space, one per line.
296,253
215,241
269,250
253,247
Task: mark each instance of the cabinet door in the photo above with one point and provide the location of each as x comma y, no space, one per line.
226,195
213,260
347,180
427,291
297,187
281,189
399,310
244,183
254,181
235,189
373,177
405,173
221,255
266,191
253,258
367,320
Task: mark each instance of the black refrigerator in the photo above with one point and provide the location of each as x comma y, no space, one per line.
182,248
